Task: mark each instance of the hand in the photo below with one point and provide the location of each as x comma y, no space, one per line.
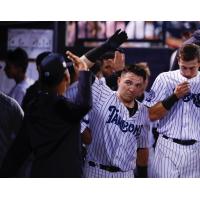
119,61
182,89
86,136
79,64
117,39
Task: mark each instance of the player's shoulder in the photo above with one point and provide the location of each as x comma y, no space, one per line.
169,73
141,106
9,103
167,76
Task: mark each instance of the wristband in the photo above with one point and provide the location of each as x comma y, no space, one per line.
169,101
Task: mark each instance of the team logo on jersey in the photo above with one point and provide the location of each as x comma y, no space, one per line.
193,97
151,95
123,125
85,120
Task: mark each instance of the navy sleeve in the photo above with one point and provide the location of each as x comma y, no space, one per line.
83,101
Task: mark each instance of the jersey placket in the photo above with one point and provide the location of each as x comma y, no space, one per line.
185,120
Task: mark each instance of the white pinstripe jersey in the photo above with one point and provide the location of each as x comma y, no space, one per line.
115,135
72,91
183,119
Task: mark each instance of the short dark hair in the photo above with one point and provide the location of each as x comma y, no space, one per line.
136,69
18,57
189,52
145,66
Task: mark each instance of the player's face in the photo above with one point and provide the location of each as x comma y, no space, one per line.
189,69
130,86
107,67
10,70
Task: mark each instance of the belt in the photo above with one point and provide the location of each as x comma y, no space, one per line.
182,142
105,167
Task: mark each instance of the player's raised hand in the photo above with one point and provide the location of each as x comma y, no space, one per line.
79,64
119,61
118,38
182,89
112,43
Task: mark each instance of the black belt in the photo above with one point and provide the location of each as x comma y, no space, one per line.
182,142
105,167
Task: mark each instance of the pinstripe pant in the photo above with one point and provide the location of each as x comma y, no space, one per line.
96,172
176,161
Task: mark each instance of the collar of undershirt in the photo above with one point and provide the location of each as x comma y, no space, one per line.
133,110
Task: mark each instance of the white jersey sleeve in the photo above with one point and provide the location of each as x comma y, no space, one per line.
100,91
72,91
157,92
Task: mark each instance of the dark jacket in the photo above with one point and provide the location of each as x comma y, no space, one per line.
51,129
31,92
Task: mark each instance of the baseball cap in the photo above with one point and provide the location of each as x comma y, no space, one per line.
53,68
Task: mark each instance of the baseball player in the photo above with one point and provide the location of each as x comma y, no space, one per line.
118,124
111,45
174,100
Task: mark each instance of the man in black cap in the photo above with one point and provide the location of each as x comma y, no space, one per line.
51,126
51,123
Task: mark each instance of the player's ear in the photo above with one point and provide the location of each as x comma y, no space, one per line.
118,80
199,63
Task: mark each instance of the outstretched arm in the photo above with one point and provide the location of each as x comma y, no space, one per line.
118,38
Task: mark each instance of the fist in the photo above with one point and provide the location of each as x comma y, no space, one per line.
182,89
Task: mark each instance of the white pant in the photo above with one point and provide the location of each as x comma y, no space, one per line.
96,172
176,161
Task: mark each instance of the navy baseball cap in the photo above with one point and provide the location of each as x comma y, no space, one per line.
52,68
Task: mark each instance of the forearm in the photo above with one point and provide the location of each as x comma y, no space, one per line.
87,61
157,111
97,52
84,98
112,43
160,109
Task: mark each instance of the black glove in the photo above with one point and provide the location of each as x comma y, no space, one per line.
116,39
111,44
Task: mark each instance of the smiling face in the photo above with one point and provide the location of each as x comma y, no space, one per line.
130,86
189,69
